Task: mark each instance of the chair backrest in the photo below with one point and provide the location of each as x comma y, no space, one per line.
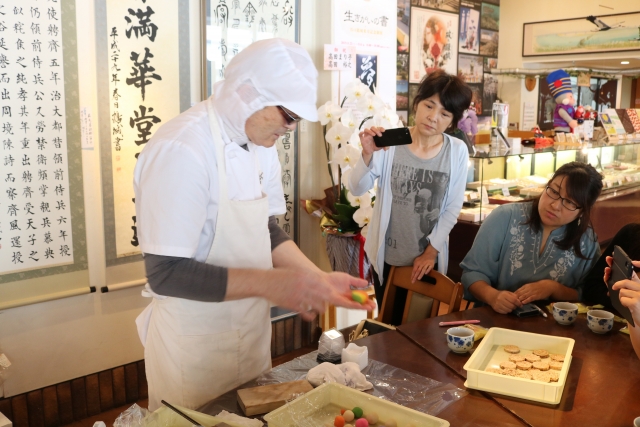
444,290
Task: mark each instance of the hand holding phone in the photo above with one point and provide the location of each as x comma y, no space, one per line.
393,137
621,269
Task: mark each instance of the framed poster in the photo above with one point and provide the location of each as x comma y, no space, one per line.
433,43
229,27
143,82
469,37
589,34
489,43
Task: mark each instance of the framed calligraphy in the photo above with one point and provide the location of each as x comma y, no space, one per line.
143,82
41,193
228,26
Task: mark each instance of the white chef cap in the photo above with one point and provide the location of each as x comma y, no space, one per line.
266,73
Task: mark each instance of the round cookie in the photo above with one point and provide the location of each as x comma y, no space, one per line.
509,372
543,366
555,365
557,357
542,353
532,358
523,374
523,366
516,358
512,349
554,375
494,370
507,365
545,377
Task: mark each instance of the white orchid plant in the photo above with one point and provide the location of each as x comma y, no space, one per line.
341,211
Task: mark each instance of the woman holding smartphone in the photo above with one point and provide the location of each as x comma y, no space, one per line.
420,185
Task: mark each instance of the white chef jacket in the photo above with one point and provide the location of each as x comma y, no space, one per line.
176,215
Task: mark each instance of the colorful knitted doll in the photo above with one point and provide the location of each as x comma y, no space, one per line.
560,87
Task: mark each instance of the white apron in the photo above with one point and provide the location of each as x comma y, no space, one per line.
196,351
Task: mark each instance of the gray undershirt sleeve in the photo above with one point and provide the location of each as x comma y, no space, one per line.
195,280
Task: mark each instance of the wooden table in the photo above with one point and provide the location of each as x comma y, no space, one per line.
603,384
392,348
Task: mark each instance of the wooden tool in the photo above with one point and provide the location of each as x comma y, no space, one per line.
263,399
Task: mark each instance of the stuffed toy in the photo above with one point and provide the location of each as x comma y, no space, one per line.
469,121
560,87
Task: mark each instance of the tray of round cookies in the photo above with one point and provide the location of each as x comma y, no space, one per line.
521,364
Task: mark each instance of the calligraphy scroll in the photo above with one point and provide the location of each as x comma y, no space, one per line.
232,25
41,193
140,65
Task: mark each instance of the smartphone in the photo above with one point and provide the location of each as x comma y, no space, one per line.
392,137
621,269
526,310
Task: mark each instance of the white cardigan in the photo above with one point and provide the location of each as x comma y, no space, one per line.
362,179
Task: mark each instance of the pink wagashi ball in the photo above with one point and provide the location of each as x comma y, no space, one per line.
362,422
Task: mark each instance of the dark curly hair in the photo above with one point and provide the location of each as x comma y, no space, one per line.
583,184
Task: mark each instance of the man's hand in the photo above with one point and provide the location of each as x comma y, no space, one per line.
309,292
542,289
505,302
629,291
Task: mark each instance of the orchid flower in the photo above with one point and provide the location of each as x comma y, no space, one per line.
363,215
389,117
348,119
347,155
329,112
370,104
338,134
356,90
364,231
363,200
355,141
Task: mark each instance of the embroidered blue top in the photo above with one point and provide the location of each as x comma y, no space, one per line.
506,254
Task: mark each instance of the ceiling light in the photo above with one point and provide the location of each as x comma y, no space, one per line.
624,62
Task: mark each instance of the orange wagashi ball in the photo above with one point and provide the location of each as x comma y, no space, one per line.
339,421
359,296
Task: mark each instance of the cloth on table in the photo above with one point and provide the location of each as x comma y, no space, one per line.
346,374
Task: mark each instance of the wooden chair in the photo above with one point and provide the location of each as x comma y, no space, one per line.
444,290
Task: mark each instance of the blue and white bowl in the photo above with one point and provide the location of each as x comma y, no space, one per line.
600,321
565,313
460,340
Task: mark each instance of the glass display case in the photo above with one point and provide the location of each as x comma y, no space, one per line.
506,175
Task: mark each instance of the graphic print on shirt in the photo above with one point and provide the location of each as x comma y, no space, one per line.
421,192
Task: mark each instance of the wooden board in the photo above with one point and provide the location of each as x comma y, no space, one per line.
263,399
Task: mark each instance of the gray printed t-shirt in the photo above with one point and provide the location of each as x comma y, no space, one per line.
417,188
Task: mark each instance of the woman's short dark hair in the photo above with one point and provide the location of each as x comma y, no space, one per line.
583,185
455,95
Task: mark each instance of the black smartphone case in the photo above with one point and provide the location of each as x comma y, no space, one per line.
393,137
526,310
621,269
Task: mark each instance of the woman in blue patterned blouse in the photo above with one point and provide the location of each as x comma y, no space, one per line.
536,250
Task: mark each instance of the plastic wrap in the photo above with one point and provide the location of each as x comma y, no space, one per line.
330,346
390,383
132,417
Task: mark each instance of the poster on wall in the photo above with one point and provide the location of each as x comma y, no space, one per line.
41,199
490,93
433,43
232,26
470,68
370,26
142,53
490,17
469,37
448,5
489,43
404,14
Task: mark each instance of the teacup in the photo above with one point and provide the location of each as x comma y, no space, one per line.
636,422
460,340
565,313
599,321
